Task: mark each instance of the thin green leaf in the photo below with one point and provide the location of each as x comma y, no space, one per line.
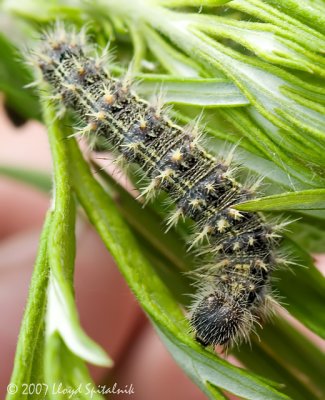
139,48
40,11
172,60
13,77
198,92
309,235
38,179
306,36
267,41
313,199
202,367
303,289
66,375
216,393
310,12
280,353
288,161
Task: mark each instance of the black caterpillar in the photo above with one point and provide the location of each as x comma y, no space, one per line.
234,288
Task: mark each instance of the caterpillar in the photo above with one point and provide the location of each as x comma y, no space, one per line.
234,287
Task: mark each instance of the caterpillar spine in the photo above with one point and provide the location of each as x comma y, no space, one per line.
234,288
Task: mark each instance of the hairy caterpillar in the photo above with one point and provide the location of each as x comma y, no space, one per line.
234,288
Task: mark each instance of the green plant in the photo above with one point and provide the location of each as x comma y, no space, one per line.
257,69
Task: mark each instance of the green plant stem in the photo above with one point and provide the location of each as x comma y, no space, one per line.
62,247
62,312
32,328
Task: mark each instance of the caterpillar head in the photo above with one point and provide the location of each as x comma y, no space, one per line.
220,319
